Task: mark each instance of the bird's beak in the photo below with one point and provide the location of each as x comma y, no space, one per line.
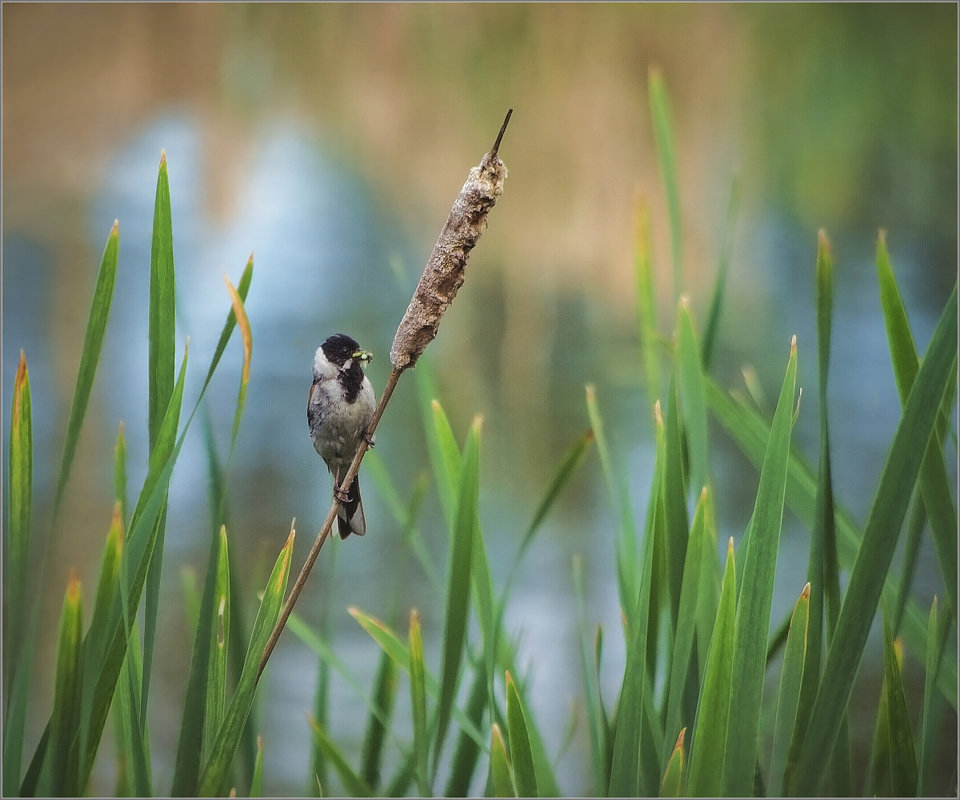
363,355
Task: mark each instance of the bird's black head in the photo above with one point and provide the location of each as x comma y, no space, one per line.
340,348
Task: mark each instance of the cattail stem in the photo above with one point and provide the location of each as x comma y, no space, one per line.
441,278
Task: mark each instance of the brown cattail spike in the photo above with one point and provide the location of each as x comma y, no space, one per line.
444,272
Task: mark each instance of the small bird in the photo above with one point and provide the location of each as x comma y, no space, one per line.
339,407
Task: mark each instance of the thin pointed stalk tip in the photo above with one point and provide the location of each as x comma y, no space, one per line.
503,128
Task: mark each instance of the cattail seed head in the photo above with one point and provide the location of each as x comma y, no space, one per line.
444,272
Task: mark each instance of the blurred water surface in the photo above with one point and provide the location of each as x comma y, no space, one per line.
338,180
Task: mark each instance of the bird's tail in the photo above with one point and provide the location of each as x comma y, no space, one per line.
350,517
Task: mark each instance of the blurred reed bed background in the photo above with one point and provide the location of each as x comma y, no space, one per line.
330,140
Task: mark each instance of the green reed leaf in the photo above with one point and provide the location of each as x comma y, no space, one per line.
709,746
626,547
89,357
646,300
690,390
467,751
391,643
753,607
383,697
877,547
16,558
215,773
521,756
500,773
748,429
219,643
67,681
672,783
418,700
934,483
624,768
458,586
900,746
355,785
937,631
720,283
663,138
788,695
681,662
256,784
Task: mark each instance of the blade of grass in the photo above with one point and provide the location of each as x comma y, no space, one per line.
162,307
690,390
445,458
161,371
458,586
128,698
542,764
16,540
318,764
247,336
788,695
569,464
624,768
720,284
494,642
90,355
418,700
708,593
353,783
194,724
596,719
521,756
384,694
672,783
646,300
501,778
878,779
876,549
194,728
256,784
934,483
916,521
242,288
709,745
109,566
938,629
674,523
105,645
753,607
900,746
467,751
405,513
620,498
215,773
219,636
328,656
750,432
399,786
391,643
683,640
120,472
822,567
663,139
62,720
